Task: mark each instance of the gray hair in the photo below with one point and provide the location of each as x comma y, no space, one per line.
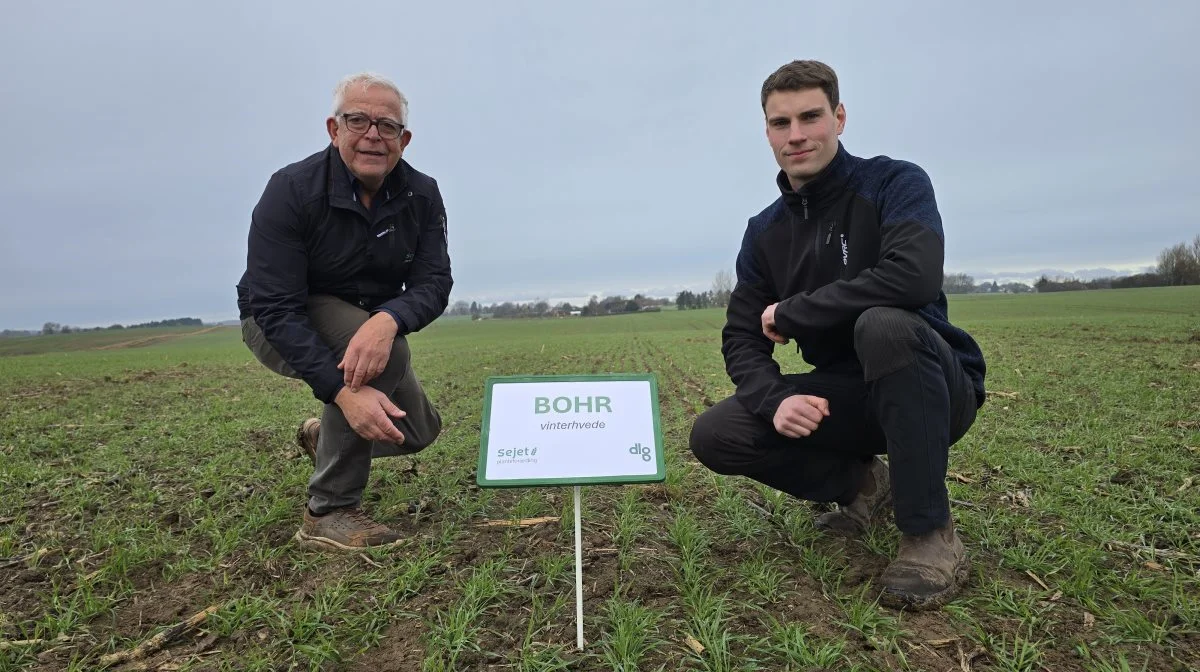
368,80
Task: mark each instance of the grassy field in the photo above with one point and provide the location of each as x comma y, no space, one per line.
143,483
94,340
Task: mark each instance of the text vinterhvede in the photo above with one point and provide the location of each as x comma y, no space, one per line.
574,424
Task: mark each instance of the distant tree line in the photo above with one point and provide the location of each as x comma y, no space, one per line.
50,328
596,305
717,297
721,289
961,283
1057,284
1180,264
1177,265
686,300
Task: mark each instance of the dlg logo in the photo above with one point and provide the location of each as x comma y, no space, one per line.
639,449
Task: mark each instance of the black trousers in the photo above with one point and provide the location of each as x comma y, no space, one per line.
911,399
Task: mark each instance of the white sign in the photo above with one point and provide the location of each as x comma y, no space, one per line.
570,430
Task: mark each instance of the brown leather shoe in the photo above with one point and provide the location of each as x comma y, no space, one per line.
928,571
346,530
306,438
873,498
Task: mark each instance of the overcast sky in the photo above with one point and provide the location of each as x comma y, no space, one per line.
608,148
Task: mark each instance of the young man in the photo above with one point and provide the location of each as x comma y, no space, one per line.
347,255
848,263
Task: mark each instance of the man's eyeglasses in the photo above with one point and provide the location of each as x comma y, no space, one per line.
361,123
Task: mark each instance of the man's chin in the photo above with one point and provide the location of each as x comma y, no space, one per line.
369,173
801,176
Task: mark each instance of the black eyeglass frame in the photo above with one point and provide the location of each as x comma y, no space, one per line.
380,124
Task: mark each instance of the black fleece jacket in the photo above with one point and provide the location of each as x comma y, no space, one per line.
310,234
863,233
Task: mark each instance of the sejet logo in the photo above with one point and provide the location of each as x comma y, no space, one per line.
845,250
639,449
517,452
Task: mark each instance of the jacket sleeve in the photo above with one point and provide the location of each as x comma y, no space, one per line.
278,288
760,387
908,273
427,289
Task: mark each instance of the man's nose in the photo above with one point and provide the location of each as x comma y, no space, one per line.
373,132
796,134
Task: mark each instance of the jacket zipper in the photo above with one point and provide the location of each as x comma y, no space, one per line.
829,236
804,204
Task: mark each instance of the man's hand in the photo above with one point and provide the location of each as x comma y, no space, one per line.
800,414
368,351
370,414
768,325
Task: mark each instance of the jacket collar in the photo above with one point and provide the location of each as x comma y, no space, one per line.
343,186
822,187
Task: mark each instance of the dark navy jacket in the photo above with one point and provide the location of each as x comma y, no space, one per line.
863,233
309,234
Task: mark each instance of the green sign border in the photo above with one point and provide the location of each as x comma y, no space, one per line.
481,472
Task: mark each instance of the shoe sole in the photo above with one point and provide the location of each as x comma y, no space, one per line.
897,600
326,544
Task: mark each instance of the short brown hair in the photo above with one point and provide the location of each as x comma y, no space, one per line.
800,75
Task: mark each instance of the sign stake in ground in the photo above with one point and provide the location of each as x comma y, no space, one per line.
541,431
578,572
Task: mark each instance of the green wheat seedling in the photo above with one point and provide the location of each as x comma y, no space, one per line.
455,630
631,521
762,577
631,631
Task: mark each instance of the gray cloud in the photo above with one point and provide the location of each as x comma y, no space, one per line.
580,150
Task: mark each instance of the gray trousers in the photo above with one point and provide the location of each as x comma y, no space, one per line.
343,457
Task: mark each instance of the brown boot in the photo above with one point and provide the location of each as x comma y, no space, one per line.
347,529
873,498
928,571
306,438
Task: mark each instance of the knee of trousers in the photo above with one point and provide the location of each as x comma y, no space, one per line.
707,445
886,339
415,443
399,359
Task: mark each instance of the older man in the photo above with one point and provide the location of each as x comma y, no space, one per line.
347,255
